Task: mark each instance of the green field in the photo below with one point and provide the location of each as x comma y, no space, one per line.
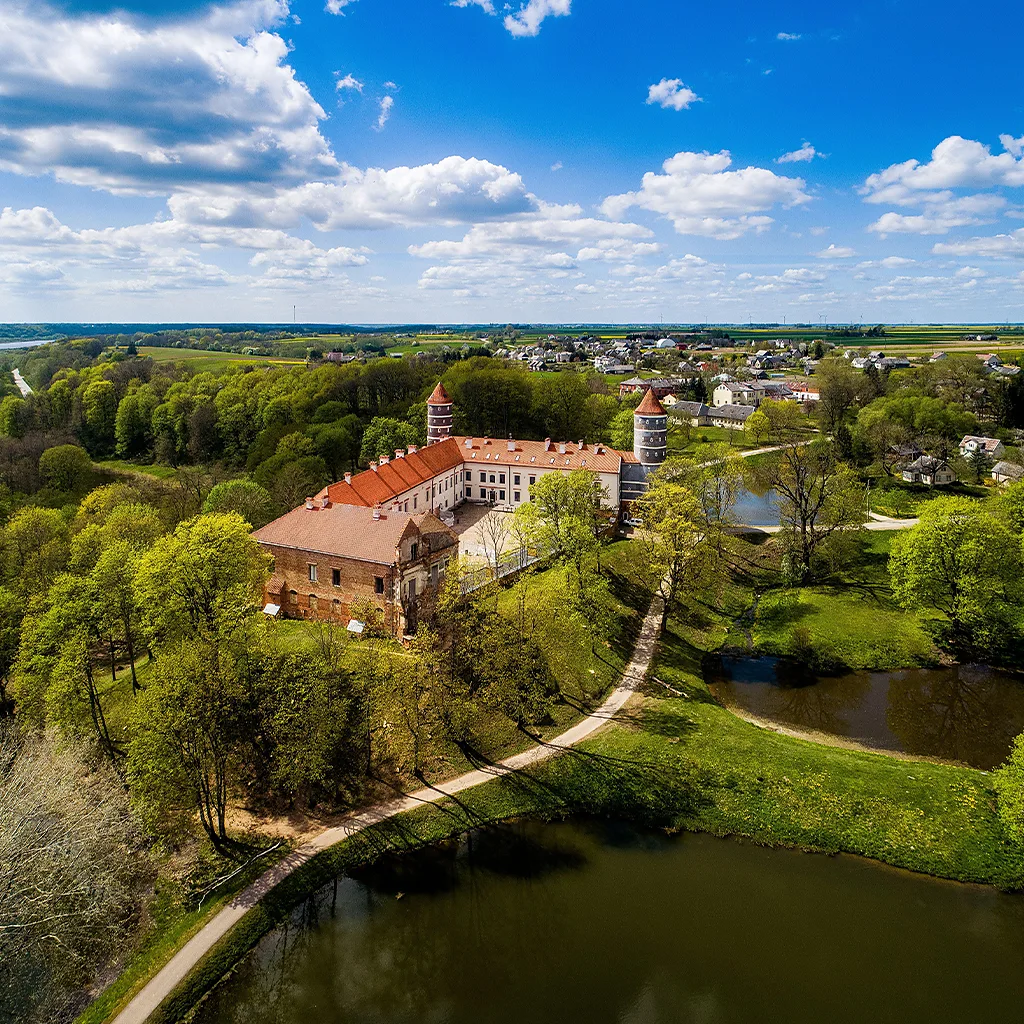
201,360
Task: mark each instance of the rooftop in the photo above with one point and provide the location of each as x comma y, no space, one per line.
650,406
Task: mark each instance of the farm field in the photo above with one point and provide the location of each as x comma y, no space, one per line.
212,361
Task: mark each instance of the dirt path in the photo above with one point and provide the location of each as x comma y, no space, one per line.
162,984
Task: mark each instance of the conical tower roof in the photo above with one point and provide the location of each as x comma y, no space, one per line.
650,406
440,396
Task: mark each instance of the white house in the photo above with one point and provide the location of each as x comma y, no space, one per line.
991,447
1007,472
929,471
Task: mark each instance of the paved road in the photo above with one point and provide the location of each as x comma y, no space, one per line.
163,983
875,523
21,382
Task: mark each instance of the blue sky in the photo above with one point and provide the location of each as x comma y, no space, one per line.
544,160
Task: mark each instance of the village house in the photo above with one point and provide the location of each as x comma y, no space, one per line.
732,417
989,446
661,386
750,392
1007,473
930,471
697,414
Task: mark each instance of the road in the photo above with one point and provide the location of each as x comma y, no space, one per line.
21,382
163,983
875,523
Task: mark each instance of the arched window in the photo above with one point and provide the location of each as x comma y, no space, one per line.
312,602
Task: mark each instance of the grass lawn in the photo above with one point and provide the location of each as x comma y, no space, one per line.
121,466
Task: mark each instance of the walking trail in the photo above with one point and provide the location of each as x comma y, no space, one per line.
177,968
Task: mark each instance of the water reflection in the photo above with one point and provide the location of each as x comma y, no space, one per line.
968,713
643,929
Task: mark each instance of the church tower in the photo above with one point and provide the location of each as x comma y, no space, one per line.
650,432
439,415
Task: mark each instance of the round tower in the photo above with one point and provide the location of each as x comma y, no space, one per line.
439,415
650,432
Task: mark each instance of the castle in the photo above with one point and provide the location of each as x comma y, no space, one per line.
379,535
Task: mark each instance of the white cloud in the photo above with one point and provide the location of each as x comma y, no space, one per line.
788,36
670,93
836,252
942,213
557,165
386,103
997,246
337,6
129,105
527,20
701,196
348,82
805,154
956,163
487,5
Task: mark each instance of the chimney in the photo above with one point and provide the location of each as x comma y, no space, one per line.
309,503
413,449
373,466
348,478
561,448
547,444
376,513
511,445
399,453
582,447
385,459
487,440
469,442
325,502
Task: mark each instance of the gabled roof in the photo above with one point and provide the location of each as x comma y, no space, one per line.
439,396
380,485
350,531
650,406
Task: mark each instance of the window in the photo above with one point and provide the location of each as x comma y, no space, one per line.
415,502
492,478
415,550
501,478
483,477
533,480
378,584
501,494
335,577
515,479
469,492
312,602
515,496
312,572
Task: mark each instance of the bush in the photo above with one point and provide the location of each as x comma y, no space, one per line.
65,467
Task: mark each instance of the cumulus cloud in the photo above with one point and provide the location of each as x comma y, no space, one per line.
487,5
135,106
527,20
337,6
701,196
386,103
671,94
805,154
996,246
836,252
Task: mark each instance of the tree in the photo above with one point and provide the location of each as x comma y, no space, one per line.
494,531
1008,782
964,562
384,436
64,467
714,480
621,430
839,386
99,413
203,579
673,549
757,427
819,499
255,504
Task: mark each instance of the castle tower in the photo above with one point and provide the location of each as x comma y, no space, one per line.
650,432
439,415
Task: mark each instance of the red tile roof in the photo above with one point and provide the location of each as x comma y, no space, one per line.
378,486
440,396
650,406
348,531
539,454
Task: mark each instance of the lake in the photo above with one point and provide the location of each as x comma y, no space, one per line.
968,713
602,923
753,509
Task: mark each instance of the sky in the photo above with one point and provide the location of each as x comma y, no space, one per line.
453,161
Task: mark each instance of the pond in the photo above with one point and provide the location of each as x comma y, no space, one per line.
968,713
602,923
753,509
